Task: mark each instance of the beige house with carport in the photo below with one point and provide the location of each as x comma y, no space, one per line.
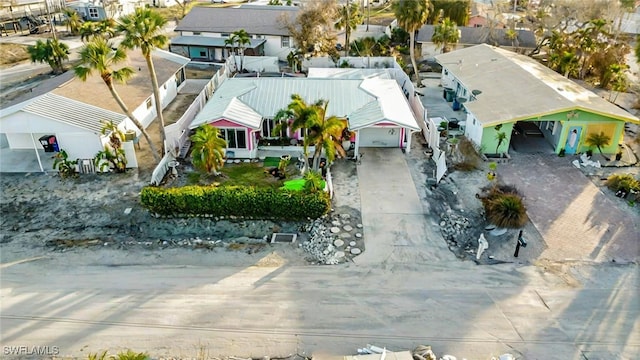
502,91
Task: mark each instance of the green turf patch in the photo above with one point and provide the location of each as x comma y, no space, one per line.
297,184
270,161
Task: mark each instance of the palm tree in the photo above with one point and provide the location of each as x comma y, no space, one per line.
512,35
143,29
98,56
73,21
208,149
52,52
322,132
618,80
326,134
349,17
445,33
91,29
231,43
598,140
411,15
366,46
242,39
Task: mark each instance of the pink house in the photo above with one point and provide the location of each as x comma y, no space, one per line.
243,109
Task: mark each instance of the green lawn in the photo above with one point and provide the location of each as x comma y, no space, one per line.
244,174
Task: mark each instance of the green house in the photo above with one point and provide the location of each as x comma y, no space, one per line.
514,98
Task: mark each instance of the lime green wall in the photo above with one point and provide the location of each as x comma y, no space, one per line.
489,141
583,118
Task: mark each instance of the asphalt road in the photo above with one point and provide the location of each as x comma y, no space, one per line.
469,311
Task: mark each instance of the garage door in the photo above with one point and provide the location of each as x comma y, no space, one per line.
380,137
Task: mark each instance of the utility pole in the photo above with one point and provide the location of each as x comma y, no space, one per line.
53,27
368,13
347,30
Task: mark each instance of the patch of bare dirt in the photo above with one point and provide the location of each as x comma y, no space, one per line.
12,54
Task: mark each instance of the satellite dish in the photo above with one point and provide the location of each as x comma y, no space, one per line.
476,92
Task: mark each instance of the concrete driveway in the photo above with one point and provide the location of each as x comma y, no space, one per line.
396,227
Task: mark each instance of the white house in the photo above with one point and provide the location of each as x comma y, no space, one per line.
73,112
204,30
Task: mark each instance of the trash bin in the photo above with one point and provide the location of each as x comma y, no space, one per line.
49,143
449,94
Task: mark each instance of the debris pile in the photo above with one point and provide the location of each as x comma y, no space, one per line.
333,239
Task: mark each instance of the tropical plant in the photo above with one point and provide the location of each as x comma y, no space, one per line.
501,136
598,140
411,15
52,52
98,56
113,154
504,207
619,81
321,132
457,11
98,356
105,28
208,149
240,39
512,35
73,22
143,29
625,182
349,17
294,60
445,33
366,46
131,355
313,182
66,167
283,164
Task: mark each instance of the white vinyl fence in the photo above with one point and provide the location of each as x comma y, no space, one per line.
177,134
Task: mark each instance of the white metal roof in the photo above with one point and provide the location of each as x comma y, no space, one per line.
364,102
72,112
516,87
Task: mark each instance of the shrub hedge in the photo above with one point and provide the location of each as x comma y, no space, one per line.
245,201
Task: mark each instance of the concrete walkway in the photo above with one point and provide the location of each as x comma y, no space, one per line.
394,220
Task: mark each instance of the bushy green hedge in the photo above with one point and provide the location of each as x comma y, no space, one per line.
265,203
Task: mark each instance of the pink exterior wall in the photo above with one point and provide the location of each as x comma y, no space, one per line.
224,123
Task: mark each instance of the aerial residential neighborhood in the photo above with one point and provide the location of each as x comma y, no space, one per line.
320,179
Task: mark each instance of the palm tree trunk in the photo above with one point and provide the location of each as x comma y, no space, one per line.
156,97
133,119
412,36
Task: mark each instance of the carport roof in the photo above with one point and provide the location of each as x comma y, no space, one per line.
72,112
364,102
516,87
